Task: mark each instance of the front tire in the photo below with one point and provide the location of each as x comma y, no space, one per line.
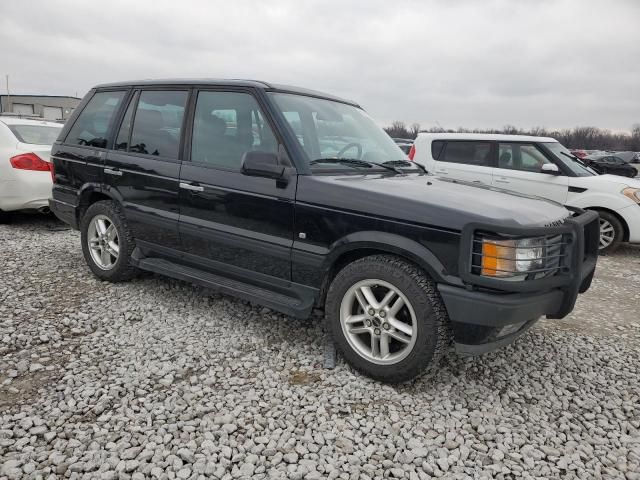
107,242
386,318
611,233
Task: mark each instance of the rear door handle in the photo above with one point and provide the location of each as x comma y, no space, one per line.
502,180
111,171
193,188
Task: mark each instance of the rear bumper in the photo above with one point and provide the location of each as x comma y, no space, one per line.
64,211
488,314
25,190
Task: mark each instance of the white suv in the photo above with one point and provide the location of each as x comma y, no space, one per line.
537,166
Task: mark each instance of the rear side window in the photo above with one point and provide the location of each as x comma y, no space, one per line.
93,123
35,134
469,153
436,149
157,124
226,126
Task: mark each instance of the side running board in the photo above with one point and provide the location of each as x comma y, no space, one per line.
277,301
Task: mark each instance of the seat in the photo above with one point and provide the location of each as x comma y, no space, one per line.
150,137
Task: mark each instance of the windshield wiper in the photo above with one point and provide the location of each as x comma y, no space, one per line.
355,163
405,163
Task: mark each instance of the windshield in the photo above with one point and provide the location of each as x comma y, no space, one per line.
569,160
36,134
329,130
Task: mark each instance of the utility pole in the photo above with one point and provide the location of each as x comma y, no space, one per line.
8,95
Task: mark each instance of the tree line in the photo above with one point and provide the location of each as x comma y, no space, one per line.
589,138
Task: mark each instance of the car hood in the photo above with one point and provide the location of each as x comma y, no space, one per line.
604,183
428,200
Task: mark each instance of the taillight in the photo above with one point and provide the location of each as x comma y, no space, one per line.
29,161
412,152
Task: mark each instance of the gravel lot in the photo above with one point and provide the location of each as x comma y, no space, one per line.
158,379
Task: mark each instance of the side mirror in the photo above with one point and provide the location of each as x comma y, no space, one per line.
262,164
550,168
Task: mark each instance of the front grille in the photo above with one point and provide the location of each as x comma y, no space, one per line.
557,223
554,257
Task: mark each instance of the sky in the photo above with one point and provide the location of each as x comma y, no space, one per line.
449,63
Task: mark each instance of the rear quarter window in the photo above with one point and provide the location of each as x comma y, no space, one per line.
436,149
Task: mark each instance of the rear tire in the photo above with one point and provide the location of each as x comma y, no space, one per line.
611,233
388,341
107,242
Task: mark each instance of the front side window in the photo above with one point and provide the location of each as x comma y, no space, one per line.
157,125
467,152
92,125
520,156
226,126
329,130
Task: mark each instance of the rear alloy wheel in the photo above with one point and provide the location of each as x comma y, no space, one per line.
386,318
611,233
103,242
107,242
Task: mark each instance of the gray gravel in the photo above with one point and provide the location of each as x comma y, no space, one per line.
158,379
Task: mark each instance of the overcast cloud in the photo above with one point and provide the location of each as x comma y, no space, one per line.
454,63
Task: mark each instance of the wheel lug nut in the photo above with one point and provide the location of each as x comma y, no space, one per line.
385,326
382,314
367,322
377,331
372,311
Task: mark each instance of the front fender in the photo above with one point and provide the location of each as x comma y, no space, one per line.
389,243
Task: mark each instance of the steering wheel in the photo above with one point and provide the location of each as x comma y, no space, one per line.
348,147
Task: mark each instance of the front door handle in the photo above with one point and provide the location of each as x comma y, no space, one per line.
193,188
502,180
111,171
443,172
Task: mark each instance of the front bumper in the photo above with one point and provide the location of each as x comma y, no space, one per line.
489,313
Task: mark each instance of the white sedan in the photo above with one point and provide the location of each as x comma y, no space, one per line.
25,168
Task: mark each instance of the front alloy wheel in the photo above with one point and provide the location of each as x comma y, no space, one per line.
611,232
386,317
378,321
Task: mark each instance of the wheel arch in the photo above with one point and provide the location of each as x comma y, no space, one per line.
364,244
90,194
625,227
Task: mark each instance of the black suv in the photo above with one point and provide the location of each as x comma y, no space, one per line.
295,199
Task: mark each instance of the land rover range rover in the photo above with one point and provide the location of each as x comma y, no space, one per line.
295,199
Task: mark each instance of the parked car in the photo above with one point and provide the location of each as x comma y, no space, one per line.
636,158
579,153
611,164
25,176
536,166
211,182
404,144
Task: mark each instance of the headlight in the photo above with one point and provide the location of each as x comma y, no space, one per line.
511,258
632,193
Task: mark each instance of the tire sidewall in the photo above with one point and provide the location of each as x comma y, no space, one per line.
108,210
426,324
